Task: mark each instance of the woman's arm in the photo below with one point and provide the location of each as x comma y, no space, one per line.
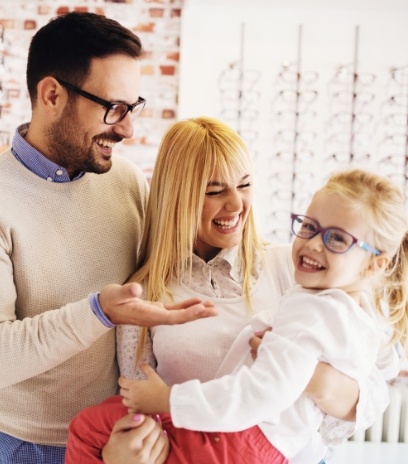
127,339
335,393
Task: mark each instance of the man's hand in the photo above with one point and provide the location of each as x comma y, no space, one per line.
122,305
147,396
136,439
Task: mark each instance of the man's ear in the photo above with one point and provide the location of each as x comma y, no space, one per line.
50,94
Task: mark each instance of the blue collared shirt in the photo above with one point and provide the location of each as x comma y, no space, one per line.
38,164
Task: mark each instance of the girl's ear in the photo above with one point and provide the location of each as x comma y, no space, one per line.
377,263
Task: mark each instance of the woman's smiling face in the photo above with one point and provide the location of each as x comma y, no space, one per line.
225,211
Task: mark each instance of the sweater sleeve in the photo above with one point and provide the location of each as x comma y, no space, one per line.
34,345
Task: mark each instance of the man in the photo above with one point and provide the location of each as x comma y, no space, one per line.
71,216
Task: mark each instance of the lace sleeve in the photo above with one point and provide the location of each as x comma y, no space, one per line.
127,338
335,431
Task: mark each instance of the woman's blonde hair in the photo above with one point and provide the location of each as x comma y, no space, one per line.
191,152
381,205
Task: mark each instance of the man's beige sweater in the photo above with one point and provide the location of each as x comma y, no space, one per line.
59,242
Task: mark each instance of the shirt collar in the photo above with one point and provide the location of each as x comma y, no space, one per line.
226,255
36,162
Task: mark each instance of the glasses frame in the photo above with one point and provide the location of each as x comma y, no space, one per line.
325,230
399,74
105,103
306,96
345,76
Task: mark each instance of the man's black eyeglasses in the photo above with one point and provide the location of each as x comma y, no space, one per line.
115,111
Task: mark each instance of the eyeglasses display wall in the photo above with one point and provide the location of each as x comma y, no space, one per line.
311,90
355,133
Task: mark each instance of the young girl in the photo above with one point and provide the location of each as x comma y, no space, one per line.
352,240
200,240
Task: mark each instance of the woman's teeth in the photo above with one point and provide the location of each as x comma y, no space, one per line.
226,224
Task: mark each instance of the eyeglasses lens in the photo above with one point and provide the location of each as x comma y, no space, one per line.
304,227
117,112
337,241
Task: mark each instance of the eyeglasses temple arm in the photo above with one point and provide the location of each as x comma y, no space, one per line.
367,247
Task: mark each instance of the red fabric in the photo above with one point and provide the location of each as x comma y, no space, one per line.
90,430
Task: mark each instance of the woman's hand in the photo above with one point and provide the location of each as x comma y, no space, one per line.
136,439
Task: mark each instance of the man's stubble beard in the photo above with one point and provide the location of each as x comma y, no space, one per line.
70,146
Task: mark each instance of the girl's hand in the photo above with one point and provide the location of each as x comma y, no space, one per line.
146,396
255,341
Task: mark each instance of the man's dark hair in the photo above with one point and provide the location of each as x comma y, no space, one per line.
65,46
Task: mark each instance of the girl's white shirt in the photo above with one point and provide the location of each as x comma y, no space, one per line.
310,326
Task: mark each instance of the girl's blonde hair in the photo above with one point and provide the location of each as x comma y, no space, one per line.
191,152
381,206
